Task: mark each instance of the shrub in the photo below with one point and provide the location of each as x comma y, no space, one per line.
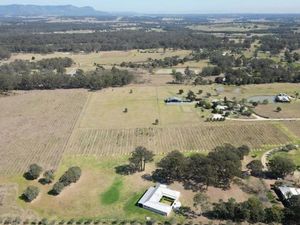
57,188
72,175
48,177
34,172
30,193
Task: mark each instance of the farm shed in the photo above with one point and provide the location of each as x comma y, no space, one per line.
160,199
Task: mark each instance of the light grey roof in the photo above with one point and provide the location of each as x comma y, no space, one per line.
152,197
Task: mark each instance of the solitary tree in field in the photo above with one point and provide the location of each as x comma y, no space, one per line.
180,91
140,156
278,109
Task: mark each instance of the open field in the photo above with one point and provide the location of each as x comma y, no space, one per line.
85,61
35,126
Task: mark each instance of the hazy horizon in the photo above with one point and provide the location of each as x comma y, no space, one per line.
176,6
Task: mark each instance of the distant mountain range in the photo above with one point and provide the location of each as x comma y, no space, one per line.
58,10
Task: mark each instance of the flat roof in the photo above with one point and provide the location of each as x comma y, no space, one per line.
152,197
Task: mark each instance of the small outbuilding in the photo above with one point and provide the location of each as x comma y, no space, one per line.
160,199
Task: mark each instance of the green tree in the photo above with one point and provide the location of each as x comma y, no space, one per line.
226,163
191,96
57,188
292,213
140,156
274,214
255,167
280,166
30,193
171,168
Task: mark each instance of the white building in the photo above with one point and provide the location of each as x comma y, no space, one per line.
217,117
288,192
282,98
160,199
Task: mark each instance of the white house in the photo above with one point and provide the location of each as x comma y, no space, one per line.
287,192
160,199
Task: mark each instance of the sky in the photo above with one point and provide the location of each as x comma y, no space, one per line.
177,6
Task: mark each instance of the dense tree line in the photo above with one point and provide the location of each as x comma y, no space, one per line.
257,71
276,43
251,210
104,41
50,74
199,171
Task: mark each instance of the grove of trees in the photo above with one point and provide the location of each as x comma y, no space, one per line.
50,74
72,175
198,172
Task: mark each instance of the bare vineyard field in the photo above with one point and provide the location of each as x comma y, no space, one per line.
103,142
35,126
